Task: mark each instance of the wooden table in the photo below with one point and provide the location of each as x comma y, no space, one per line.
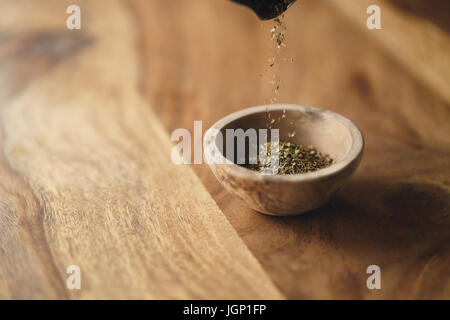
85,171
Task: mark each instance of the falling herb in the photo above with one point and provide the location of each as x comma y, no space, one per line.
278,32
277,36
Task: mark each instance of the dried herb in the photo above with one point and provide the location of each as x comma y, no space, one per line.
278,32
293,158
277,35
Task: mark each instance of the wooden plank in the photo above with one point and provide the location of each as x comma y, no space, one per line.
202,60
86,176
418,43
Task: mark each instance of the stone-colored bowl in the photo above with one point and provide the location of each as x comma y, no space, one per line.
293,194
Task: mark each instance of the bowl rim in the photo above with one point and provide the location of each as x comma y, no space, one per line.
212,153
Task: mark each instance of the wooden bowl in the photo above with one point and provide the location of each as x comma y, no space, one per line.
280,195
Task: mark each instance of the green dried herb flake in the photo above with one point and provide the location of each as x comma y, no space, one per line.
293,158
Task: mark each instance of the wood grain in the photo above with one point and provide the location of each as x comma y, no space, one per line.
203,59
419,44
86,176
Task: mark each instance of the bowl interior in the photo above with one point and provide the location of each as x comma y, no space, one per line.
306,127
